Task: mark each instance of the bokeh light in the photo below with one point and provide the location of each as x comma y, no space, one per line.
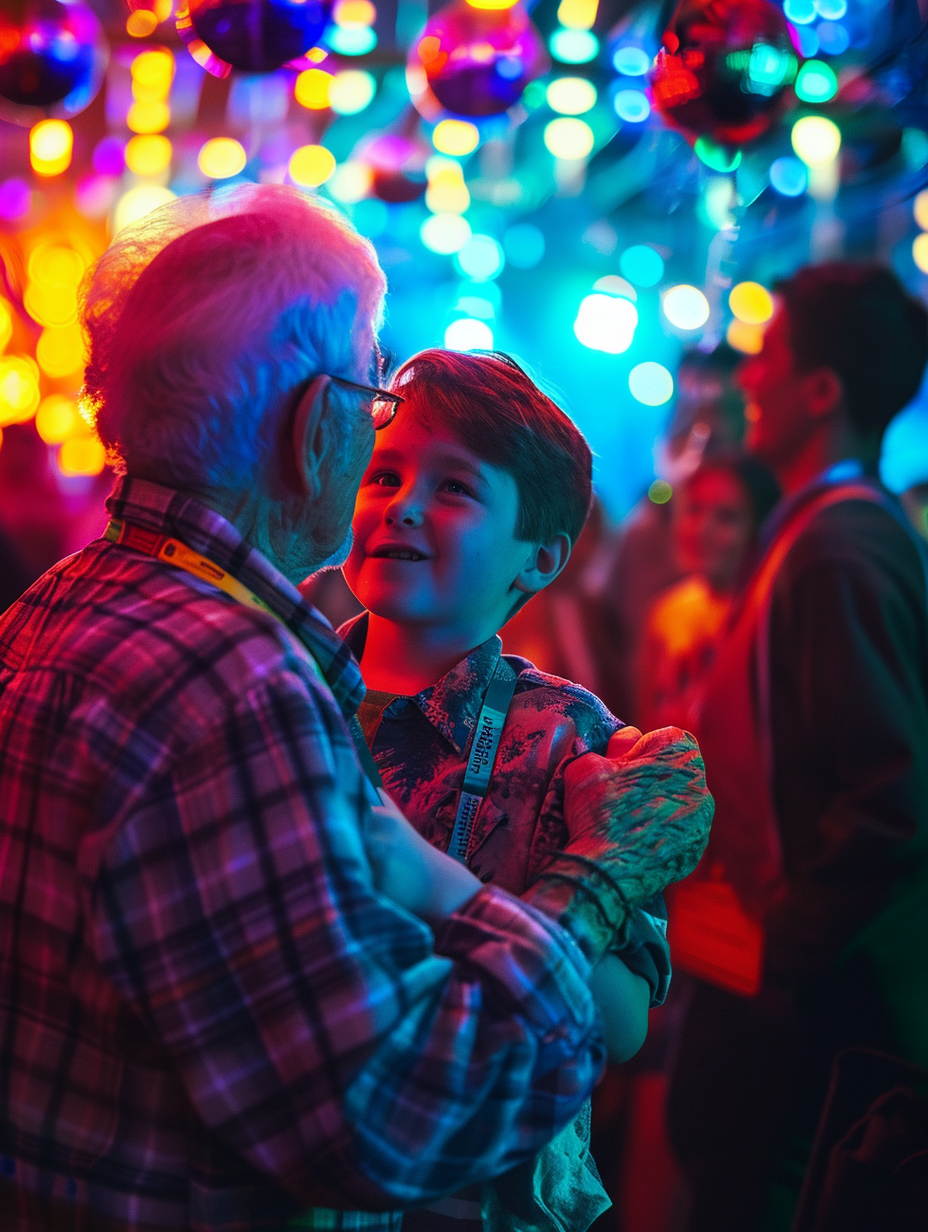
56,265
81,455
481,258
6,323
799,12
138,202
789,176
831,10
148,155
524,245
632,106
447,193
571,96
351,91
311,165
612,284
50,305
606,323
920,252
816,82
148,117
631,61
19,389
751,303
807,40
745,338
816,140
15,199
469,334
152,74
642,265
60,350
577,14
141,23
685,307
109,156
351,40
920,209
458,137
650,383
311,89
660,492
351,182
57,418
222,157
574,46
717,156
445,233
51,144
833,38
568,138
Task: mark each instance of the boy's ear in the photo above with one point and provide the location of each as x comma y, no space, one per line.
544,563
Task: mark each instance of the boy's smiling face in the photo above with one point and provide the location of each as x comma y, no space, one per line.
434,534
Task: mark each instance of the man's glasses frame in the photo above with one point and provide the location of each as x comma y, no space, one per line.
384,403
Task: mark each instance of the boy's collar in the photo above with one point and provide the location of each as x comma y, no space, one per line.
453,703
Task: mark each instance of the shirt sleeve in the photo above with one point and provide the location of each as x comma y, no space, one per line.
850,742
318,1029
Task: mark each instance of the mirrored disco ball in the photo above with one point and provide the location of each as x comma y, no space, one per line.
477,62
52,60
257,36
723,68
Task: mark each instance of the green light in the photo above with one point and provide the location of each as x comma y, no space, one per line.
574,46
817,82
718,157
660,492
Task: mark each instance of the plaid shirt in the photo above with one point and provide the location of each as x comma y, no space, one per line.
209,1019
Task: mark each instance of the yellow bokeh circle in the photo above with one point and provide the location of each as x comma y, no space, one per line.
311,165
751,303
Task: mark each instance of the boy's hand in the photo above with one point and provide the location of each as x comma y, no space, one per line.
412,872
635,824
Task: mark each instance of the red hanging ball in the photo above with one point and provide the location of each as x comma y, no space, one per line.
723,69
476,61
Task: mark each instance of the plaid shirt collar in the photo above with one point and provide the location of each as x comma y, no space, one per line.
452,705
183,517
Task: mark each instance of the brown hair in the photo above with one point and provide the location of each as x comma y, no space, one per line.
496,409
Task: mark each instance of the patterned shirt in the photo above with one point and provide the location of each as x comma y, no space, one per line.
420,746
209,1018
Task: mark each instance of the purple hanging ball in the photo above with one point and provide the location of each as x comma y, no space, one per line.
52,63
477,62
258,36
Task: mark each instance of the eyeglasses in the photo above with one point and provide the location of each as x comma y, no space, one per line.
382,403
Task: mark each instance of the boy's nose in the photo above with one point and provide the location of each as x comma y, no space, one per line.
405,514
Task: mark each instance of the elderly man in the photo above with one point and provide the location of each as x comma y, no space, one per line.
213,1015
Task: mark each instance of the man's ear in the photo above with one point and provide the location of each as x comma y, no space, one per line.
310,437
544,563
824,392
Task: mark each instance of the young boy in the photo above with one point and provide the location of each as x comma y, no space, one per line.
471,502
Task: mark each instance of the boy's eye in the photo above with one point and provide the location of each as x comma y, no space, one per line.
456,487
385,479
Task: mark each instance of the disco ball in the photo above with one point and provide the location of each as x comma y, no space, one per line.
397,162
257,36
51,62
723,69
477,62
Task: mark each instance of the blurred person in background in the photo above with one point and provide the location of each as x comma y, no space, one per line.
814,725
717,516
708,416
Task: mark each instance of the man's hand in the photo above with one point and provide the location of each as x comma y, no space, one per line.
635,824
412,872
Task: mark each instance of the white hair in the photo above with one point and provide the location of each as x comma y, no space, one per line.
201,316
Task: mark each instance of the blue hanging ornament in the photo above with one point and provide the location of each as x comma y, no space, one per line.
53,55
257,36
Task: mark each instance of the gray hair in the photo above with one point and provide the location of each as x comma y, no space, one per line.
200,317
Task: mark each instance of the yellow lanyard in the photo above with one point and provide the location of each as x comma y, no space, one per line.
174,552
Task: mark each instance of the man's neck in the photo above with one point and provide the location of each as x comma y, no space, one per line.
406,659
818,454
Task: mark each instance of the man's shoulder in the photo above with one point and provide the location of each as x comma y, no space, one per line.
135,629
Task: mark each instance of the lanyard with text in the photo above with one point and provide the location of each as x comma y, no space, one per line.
176,553
481,757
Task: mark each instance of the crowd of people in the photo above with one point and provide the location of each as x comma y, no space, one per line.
331,886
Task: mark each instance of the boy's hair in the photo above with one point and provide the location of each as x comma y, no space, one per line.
858,320
497,410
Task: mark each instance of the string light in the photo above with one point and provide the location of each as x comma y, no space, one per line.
148,155
685,307
351,91
650,383
749,339
571,96
311,89
632,106
60,350
57,418
222,157
568,138
311,165
51,144
574,46
81,455
816,140
631,61
458,137
751,303
605,323
445,233
19,389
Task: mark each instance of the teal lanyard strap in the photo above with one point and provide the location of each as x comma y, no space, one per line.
481,757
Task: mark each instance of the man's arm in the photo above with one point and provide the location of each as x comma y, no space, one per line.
318,1029
850,737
